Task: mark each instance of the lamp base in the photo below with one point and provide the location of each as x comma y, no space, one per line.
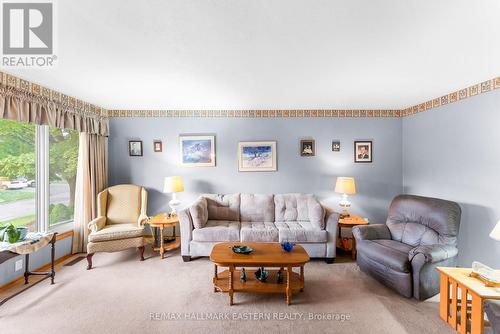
345,204
174,204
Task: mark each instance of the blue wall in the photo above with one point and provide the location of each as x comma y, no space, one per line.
452,152
377,182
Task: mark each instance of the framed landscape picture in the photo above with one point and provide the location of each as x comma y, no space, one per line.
307,148
257,156
363,151
135,148
197,150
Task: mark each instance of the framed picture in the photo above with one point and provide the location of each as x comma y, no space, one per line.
307,148
336,145
363,151
257,156
197,150
157,146
135,148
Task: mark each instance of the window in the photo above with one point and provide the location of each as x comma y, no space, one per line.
63,159
37,175
17,174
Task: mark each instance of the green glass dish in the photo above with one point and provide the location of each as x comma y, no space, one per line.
242,249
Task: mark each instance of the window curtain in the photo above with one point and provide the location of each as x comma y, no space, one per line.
91,178
28,107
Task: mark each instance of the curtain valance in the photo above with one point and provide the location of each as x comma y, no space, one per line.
25,106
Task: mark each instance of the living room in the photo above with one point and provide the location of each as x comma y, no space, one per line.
237,166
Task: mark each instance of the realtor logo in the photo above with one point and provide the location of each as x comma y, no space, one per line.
28,29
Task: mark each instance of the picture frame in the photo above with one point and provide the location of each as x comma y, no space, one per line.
197,150
135,148
363,151
157,146
335,145
257,156
307,148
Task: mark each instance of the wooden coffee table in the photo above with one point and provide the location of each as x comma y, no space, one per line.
267,255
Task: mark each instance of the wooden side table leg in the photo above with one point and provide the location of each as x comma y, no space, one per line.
231,291
288,285
162,250
477,316
215,277
302,278
463,308
444,297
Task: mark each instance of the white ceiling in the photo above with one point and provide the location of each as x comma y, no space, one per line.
271,54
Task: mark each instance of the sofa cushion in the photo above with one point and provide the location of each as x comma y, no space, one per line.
199,212
258,232
223,207
218,231
116,232
389,253
124,204
299,207
257,208
300,232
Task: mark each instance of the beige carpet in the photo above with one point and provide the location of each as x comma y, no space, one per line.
120,294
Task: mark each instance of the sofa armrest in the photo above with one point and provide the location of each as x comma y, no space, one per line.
97,224
433,253
331,227
186,226
371,232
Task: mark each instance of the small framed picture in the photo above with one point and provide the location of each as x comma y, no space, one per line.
157,146
135,148
363,151
307,148
336,145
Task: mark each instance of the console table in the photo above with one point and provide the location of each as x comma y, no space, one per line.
32,243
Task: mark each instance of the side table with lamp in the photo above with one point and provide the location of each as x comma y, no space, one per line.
347,186
172,185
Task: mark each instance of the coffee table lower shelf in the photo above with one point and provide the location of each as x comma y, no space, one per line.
291,284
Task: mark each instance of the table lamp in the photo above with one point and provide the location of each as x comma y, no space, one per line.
495,234
173,185
345,186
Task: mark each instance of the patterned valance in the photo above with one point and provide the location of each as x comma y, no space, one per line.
23,101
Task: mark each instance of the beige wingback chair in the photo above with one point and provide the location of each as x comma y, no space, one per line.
121,215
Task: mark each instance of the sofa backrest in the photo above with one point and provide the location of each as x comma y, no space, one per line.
416,220
223,207
257,208
299,207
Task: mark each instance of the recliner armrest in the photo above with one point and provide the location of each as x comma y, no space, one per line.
433,253
371,232
97,224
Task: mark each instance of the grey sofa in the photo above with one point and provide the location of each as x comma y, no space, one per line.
297,218
420,234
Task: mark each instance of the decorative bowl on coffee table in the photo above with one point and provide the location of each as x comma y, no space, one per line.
242,249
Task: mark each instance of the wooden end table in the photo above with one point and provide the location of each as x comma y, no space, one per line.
455,306
263,255
166,242
349,222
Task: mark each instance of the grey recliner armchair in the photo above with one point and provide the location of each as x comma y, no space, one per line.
420,234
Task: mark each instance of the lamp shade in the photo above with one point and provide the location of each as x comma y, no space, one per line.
495,234
345,185
173,184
